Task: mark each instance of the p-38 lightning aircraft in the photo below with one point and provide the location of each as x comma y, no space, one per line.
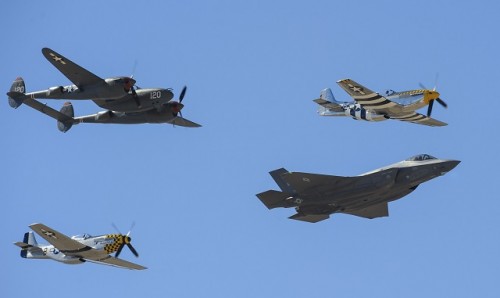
371,106
77,249
316,196
124,102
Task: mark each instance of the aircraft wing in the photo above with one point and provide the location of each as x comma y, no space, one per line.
112,261
379,210
59,240
301,182
75,73
367,98
416,118
179,121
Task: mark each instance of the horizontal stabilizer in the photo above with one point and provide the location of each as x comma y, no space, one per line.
329,105
41,107
179,121
379,210
273,199
310,217
23,245
28,250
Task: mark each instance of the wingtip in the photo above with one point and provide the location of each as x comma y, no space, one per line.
280,171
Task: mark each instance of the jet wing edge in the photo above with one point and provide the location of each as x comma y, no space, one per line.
274,199
312,218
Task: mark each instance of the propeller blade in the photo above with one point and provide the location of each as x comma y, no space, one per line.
119,250
436,81
422,86
132,249
429,109
136,97
183,93
441,102
116,228
131,227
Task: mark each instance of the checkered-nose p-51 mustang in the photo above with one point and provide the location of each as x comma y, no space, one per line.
124,102
77,249
371,106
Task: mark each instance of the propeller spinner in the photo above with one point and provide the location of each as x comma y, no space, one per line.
434,96
176,106
125,240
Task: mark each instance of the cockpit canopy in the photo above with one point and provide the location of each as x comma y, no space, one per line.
389,92
420,157
83,236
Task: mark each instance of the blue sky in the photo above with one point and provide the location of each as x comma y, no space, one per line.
252,69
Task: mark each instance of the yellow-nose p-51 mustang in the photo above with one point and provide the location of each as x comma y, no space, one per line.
77,249
371,106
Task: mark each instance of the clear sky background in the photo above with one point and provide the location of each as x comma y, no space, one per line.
252,69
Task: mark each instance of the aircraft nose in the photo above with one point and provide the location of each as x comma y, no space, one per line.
449,165
430,95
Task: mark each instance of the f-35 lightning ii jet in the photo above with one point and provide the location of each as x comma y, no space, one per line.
316,196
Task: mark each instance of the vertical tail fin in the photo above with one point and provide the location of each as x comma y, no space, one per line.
29,238
328,106
327,94
16,93
284,186
29,245
67,110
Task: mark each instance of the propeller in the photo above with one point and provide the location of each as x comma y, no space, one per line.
125,240
431,101
129,85
136,97
183,93
176,106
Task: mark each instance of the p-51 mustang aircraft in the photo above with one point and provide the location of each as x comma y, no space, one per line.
124,102
371,106
77,249
316,196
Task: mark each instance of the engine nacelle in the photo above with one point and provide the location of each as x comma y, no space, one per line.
58,90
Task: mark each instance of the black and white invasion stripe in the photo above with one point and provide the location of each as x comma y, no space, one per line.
412,117
374,101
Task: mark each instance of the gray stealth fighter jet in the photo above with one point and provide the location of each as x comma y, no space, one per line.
315,196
